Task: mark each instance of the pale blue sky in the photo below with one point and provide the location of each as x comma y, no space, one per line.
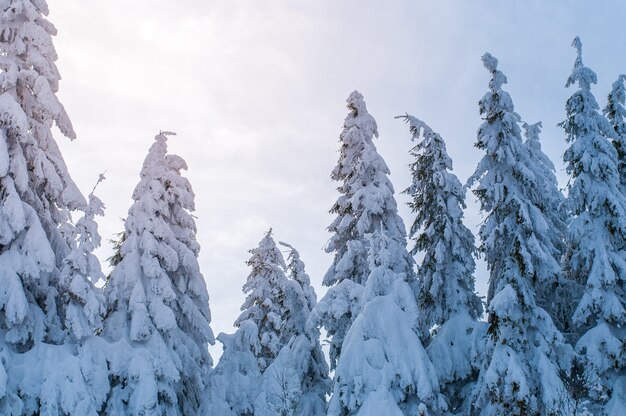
256,91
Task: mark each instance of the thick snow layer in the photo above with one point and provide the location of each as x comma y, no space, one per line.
456,346
381,351
235,383
335,312
380,402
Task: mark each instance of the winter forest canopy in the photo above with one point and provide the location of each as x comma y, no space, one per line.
401,325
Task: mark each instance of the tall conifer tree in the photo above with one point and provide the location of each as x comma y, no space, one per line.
597,235
280,367
30,80
525,352
446,299
30,76
265,301
366,204
159,312
39,336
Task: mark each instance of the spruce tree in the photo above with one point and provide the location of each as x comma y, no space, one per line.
288,374
366,204
159,313
596,235
438,198
447,300
46,366
296,383
265,301
83,306
524,352
26,257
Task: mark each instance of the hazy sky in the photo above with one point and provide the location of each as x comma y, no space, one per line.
256,92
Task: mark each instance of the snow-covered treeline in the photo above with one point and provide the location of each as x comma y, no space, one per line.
403,337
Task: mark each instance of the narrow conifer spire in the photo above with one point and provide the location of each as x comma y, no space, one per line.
366,205
83,304
446,273
518,249
446,297
556,293
265,300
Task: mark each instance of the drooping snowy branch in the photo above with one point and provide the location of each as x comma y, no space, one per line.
383,368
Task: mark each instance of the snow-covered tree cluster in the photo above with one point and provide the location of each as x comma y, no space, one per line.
405,330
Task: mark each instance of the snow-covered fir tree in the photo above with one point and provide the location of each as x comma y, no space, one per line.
555,292
48,369
383,368
265,301
39,374
159,314
30,76
447,300
366,204
300,297
438,198
273,364
236,381
597,235
296,382
525,353
31,370
616,114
